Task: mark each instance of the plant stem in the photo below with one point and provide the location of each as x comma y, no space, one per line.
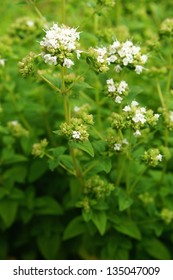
63,10
37,10
160,95
120,169
48,82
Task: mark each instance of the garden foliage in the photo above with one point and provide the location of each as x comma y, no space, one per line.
86,130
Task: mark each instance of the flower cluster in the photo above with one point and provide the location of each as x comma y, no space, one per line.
98,188
146,198
117,90
168,117
153,157
106,3
166,215
97,57
135,117
17,129
120,54
76,130
58,45
120,145
167,27
126,55
27,65
82,113
38,149
25,28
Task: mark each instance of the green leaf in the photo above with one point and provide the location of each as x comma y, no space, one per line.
57,152
124,200
49,244
74,228
66,160
16,174
8,210
99,146
127,227
84,146
47,206
155,248
99,218
98,165
107,164
37,169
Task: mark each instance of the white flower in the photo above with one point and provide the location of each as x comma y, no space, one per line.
111,88
2,62
118,68
127,108
144,58
49,59
76,134
122,87
110,82
159,157
156,116
134,103
30,23
68,62
14,123
111,59
139,69
76,109
118,99
143,109
139,117
113,48
78,52
137,133
125,141
125,61
117,147
135,50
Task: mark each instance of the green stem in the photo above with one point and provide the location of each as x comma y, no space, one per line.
63,10
160,95
48,82
130,190
37,10
120,169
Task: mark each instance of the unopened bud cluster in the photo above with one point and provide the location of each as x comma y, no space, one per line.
27,65
116,143
106,3
59,44
98,188
39,149
167,27
16,129
152,157
168,118
146,198
24,28
77,129
166,215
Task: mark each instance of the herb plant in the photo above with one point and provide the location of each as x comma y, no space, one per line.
86,131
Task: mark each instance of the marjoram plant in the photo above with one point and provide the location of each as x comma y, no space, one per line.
86,136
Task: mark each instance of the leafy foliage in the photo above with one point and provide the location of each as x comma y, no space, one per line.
86,151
